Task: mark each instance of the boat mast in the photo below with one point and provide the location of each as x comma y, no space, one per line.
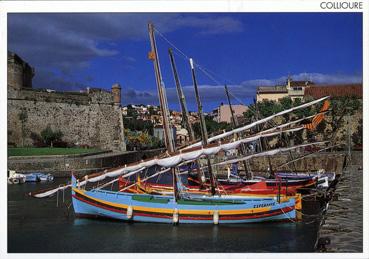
185,114
262,142
181,97
204,133
234,122
234,125
153,55
169,143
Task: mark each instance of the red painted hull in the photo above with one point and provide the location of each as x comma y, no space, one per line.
261,188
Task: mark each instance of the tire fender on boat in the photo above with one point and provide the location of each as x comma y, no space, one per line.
216,217
129,212
175,216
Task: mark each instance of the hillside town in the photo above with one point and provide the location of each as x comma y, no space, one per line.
219,119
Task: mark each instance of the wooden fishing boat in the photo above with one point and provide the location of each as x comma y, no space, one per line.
162,209
184,206
253,188
293,184
299,175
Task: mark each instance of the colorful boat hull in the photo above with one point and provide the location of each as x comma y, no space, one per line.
256,188
151,208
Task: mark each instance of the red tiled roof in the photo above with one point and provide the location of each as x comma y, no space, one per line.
318,91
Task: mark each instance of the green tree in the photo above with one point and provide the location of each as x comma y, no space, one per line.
138,125
137,140
212,127
49,136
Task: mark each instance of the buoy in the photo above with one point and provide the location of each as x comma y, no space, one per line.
129,212
216,217
175,216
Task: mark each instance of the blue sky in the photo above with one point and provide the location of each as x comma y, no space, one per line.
244,50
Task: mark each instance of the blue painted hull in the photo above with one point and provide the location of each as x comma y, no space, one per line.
159,209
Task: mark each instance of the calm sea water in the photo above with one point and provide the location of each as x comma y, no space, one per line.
37,225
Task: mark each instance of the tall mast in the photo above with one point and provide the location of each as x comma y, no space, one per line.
204,133
153,55
234,125
234,122
185,114
261,143
181,97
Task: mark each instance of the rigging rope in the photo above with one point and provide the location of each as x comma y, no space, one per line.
207,72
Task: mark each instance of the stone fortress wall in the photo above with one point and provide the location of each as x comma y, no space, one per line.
92,118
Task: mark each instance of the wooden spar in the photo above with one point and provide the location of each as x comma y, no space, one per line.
169,143
261,143
204,133
184,110
264,120
153,55
235,124
181,97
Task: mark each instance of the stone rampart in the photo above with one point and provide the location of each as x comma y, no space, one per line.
91,118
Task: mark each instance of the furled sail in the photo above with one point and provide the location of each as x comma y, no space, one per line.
231,161
246,127
195,151
279,127
170,161
269,153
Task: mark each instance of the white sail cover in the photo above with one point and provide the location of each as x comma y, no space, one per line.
246,127
230,161
168,161
268,153
291,123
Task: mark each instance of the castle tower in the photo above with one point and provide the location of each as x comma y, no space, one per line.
116,90
20,73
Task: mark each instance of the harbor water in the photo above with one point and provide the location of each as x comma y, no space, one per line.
38,225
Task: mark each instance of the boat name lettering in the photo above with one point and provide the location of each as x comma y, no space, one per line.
264,205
